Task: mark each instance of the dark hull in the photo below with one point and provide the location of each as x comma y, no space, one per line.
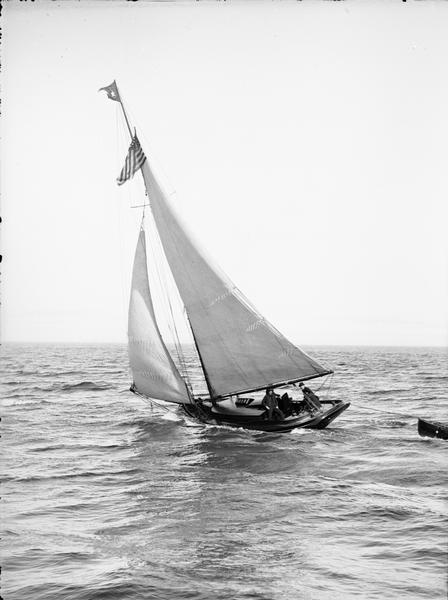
318,421
428,429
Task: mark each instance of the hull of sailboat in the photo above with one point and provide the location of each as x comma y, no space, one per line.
318,421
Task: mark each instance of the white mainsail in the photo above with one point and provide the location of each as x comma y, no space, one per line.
240,351
155,374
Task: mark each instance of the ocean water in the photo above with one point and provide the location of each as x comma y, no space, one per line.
105,497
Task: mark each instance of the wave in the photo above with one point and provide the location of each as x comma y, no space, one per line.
395,424
79,447
25,372
388,392
60,373
100,475
24,400
24,391
85,386
47,448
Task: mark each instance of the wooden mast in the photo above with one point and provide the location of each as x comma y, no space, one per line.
207,381
123,109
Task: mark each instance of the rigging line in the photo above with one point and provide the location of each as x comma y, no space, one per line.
152,401
165,295
163,275
120,99
170,358
328,380
180,353
388,412
119,224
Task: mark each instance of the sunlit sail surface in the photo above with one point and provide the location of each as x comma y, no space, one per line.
154,372
240,350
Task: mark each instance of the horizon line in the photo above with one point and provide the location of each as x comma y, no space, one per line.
85,343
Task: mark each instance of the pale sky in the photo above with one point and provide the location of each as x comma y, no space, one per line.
305,144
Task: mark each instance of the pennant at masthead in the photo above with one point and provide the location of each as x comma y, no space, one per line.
111,91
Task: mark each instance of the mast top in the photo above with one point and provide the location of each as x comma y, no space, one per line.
113,94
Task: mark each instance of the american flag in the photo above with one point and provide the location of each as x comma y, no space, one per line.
134,160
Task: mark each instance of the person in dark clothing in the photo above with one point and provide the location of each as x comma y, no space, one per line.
285,404
312,401
270,403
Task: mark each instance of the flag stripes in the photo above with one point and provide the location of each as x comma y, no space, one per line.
134,160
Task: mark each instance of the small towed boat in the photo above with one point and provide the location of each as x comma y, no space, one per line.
433,429
238,350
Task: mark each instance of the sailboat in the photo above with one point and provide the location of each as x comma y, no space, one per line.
239,352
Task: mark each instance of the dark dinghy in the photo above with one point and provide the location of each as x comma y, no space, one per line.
428,429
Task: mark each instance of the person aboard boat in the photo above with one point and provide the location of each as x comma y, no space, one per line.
310,398
270,403
286,404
